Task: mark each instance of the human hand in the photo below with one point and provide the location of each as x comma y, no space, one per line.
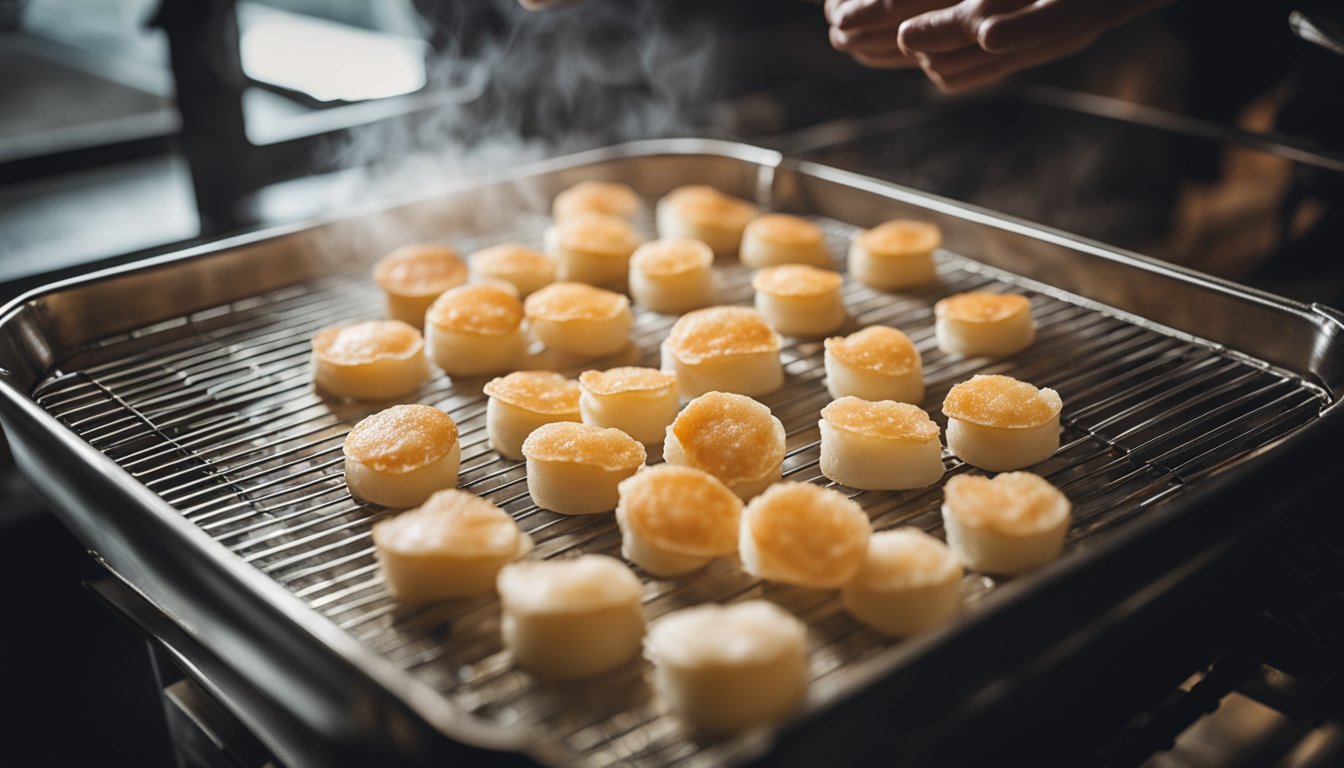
541,5
868,29
977,42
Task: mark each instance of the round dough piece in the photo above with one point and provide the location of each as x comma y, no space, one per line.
605,197
1011,524
980,323
526,269
705,214
473,330
580,319
799,300
728,667
672,276
592,248
453,545
732,437
399,456
909,583
895,255
570,619
576,469
803,534
413,276
374,360
779,238
881,446
725,349
524,400
999,423
876,363
640,402
676,519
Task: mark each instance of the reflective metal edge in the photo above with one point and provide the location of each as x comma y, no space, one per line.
1305,339
37,325
307,665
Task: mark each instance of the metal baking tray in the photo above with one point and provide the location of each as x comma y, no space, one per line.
165,411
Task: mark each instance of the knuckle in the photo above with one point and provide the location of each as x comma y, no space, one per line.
989,35
907,32
979,12
974,12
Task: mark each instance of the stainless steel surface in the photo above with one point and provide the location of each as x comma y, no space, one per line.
190,376
1317,32
203,734
887,126
1277,144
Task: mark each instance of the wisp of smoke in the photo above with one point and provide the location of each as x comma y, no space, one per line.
508,86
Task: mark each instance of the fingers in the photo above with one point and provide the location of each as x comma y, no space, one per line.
973,42
838,39
950,29
965,74
878,51
830,7
858,14
865,35
1036,24
939,31
946,65
874,43
866,40
900,33
1049,20
870,44
541,5
896,60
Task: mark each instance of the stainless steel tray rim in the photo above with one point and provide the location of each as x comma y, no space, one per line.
428,704
1314,313
767,159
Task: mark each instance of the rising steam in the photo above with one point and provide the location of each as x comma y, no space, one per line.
508,86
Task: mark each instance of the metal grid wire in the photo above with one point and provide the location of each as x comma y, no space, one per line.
215,412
